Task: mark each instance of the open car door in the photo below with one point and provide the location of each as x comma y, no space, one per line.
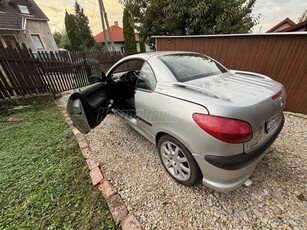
89,107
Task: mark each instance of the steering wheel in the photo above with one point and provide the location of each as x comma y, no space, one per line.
131,78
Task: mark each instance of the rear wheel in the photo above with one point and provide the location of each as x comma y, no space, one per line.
178,161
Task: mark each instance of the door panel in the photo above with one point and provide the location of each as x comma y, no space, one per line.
89,107
145,112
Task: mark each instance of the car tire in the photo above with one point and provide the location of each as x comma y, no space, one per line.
178,161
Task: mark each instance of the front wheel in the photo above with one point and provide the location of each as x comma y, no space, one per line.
178,161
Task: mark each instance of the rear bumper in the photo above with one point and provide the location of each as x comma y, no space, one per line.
226,173
240,161
226,180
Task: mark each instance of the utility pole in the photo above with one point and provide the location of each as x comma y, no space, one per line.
104,17
103,26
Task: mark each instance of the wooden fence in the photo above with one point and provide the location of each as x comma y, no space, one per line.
23,72
281,56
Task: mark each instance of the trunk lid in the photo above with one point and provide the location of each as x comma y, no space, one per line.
237,87
234,89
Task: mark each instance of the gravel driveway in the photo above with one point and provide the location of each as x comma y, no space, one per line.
277,198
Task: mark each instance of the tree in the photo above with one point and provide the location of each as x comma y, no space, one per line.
185,17
78,30
73,32
142,45
98,47
83,26
62,40
130,44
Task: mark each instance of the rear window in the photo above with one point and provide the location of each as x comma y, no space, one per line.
186,67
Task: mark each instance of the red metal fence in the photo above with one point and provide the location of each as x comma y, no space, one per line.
281,56
23,72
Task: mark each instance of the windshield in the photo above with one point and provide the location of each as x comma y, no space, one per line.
186,67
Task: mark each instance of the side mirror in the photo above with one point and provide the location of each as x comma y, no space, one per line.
94,79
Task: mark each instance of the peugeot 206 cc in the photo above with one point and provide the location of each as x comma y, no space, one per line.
208,123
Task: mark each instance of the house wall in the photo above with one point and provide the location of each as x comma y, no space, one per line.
41,28
120,45
282,27
281,56
33,27
147,48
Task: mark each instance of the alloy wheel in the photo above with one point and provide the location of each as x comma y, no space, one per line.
175,161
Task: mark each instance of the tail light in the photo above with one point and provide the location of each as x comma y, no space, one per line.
277,95
225,129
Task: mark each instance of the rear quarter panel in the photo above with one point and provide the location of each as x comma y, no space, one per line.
173,116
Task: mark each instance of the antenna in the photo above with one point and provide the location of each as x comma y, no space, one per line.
260,29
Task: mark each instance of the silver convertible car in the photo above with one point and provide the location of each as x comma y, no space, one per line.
208,123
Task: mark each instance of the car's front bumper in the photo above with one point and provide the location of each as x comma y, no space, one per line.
225,173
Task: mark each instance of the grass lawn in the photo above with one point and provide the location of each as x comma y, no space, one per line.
44,182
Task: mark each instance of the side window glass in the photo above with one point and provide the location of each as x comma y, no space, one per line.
146,79
134,65
131,65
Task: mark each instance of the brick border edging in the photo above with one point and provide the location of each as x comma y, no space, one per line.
117,207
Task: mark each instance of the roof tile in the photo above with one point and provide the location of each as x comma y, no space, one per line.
117,35
286,20
11,18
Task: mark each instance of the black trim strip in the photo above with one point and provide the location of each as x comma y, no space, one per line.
239,161
141,119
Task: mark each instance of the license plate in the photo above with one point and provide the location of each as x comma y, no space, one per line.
270,124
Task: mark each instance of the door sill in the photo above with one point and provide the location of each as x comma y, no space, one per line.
126,116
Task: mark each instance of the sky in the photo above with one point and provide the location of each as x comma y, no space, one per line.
55,11
271,12
274,11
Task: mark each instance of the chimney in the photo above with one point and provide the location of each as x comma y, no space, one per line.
116,23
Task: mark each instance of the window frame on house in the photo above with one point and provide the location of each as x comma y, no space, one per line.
39,39
23,9
9,35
